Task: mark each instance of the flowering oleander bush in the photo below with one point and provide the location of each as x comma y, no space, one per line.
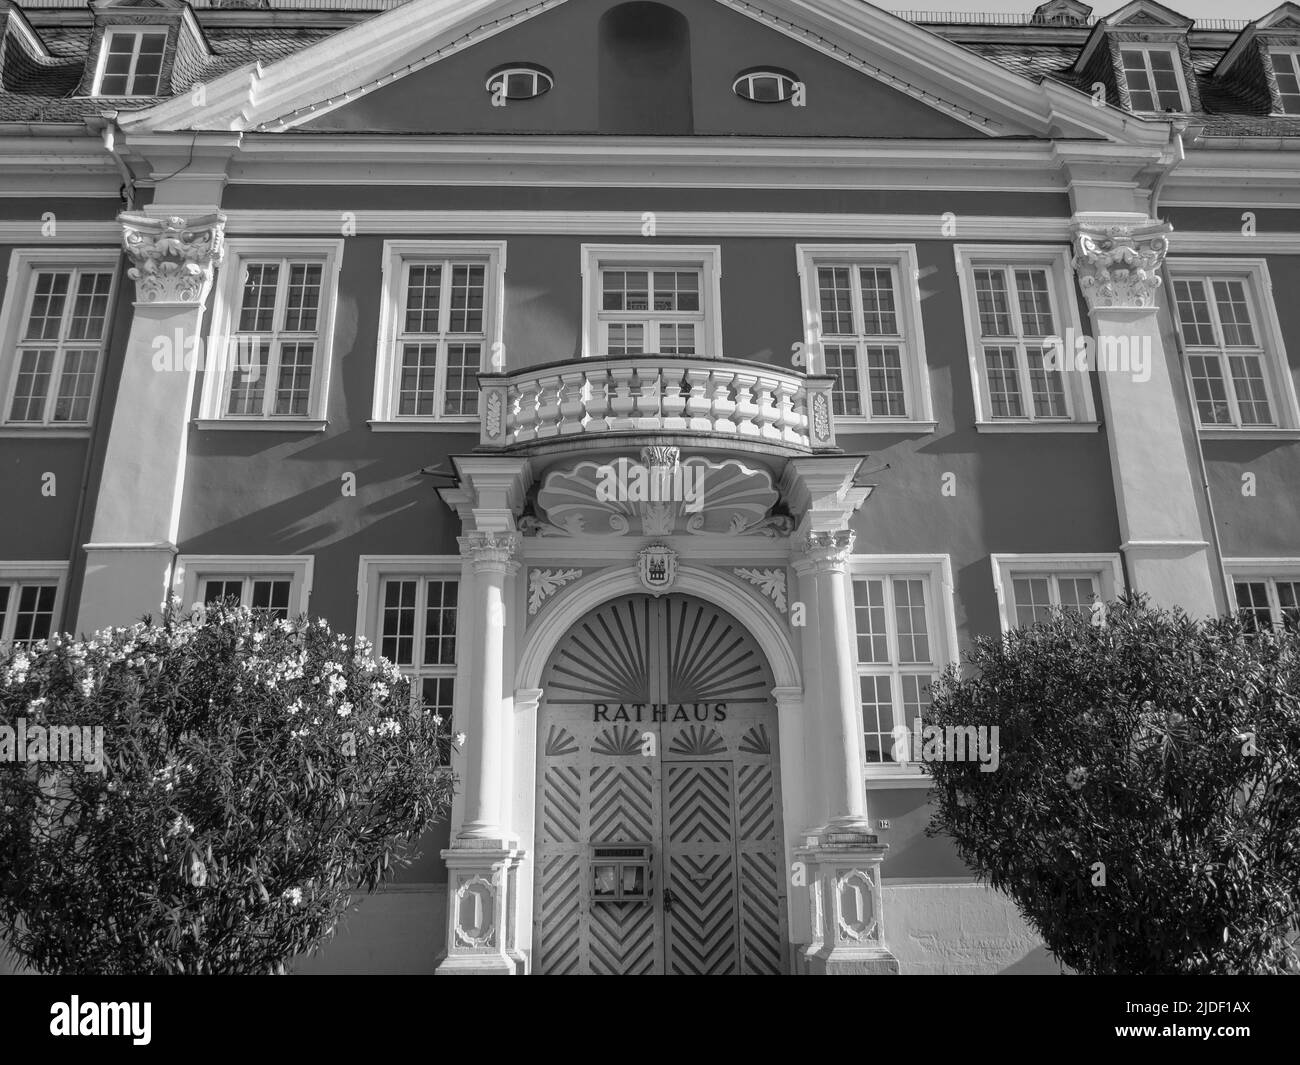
257,775
1145,812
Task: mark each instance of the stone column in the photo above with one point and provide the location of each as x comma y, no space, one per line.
483,860
1152,461
137,510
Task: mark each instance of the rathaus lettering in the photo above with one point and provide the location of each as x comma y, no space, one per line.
659,712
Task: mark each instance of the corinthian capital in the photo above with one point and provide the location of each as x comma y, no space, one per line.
173,258
1119,266
489,550
827,550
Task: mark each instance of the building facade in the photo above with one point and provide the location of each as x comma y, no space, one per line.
673,389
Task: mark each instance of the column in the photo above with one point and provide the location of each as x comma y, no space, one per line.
483,860
137,510
1151,449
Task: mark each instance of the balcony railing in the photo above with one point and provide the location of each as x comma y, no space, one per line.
657,394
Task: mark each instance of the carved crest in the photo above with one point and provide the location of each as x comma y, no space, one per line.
657,565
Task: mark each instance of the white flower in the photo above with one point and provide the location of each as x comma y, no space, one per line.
1077,777
294,895
345,708
460,739
298,734
36,704
389,728
87,684
295,706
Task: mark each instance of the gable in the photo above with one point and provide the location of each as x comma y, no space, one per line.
684,88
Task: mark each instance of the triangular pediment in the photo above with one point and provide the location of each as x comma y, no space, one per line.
1148,15
423,68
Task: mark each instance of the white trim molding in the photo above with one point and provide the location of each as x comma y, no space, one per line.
1104,566
222,362
1081,415
191,569
398,254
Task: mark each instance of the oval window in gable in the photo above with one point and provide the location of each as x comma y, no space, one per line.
765,86
520,81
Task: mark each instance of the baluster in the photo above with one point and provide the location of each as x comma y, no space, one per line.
548,406
649,396
697,403
746,408
769,413
721,405
521,423
788,421
597,396
622,380
673,403
573,388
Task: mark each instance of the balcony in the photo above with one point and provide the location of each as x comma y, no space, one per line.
724,402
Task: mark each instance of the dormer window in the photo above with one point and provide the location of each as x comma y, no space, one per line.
1286,69
1155,79
131,62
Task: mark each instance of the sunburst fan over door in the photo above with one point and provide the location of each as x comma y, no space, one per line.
659,842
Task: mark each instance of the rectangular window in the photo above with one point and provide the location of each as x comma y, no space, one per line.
1286,72
131,62
27,609
1035,588
276,585
270,594
1155,80
418,633
863,328
660,300
1269,602
57,331
1239,374
272,334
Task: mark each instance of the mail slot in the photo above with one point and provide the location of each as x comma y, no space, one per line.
620,873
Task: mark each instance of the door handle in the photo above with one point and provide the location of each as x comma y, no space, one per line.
668,901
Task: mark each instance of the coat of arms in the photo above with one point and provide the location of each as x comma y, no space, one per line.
657,565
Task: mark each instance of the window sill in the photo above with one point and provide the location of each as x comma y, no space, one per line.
1037,427
845,424
468,425
1249,434
263,425
68,431
882,780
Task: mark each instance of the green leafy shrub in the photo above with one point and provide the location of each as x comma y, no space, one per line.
256,774
1145,812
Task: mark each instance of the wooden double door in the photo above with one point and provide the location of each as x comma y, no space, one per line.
659,843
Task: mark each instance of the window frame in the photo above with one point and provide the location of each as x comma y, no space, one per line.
226,304
936,572
397,256
1105,566
1147,47
707,258
1279,382
372,572
1082,412
540,76
138,32
782,78
16,574
902,261
1266,570
24,265
193,570
1293,54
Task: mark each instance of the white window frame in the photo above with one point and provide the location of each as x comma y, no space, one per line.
193,570
936,573
1080,409
372,571
219,365
24,264
1147,47
902,261
138,32
17,573
1279,378
1105,566
707,258
1294,55
388,363
1268,570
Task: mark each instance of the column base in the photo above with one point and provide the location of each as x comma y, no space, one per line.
123,582
482,909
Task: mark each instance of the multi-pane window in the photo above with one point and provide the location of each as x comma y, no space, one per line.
59,346
765,86
896,654
264,594
417,633
26,610
1153,79
864,339
647,310
276,338
1014,310
1226,358
132,62
1269,602
441,337
1286,71
1037,596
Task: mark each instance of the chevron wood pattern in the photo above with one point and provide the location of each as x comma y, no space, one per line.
623,939
562,803
701,927
622,800
762,914
558,944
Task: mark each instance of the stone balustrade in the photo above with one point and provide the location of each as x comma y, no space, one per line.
657,394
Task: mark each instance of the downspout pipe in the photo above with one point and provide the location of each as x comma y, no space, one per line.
1176,132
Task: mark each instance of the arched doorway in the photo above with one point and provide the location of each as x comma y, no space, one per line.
658,835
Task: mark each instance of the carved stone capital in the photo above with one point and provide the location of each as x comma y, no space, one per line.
172,258
824,551
1119,266
490,550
